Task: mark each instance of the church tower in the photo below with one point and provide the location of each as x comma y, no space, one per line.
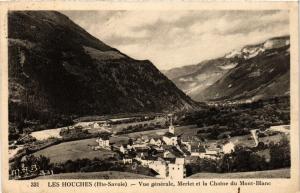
171,127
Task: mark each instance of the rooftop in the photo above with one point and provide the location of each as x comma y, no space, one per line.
104,137
199,149
169,135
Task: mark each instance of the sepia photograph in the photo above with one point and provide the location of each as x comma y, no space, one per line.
149,94
170,94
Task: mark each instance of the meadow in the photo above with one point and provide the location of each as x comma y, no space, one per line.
74,150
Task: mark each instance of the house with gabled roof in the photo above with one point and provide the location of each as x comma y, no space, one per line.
156,142
168,154
127,159
103,142
169,139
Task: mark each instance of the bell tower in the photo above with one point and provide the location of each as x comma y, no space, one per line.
171,127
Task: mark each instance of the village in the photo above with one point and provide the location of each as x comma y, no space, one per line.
168,154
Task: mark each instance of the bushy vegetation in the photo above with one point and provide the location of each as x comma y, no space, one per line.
78,133
280,154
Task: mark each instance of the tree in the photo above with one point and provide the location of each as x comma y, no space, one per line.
280,154
214,133
69,166
225,164
44,163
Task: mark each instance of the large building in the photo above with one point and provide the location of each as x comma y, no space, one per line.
103,142
166,169
177,170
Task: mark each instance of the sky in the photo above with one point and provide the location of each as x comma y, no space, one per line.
177,38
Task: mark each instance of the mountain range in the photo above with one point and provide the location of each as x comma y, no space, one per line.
57,68
253,72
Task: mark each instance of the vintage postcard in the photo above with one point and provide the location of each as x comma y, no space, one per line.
150,97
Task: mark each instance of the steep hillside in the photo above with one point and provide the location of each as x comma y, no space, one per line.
56,68
253,72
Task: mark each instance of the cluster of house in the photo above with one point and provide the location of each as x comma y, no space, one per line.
167,155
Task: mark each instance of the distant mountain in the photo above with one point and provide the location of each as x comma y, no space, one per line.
253,72
197,78
57,68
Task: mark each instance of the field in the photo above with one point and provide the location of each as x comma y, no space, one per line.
96,175
45,134
73,150
280,173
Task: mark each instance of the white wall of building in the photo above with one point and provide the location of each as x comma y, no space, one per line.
228,148
159,167
176,171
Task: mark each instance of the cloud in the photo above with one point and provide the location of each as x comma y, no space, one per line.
176,38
